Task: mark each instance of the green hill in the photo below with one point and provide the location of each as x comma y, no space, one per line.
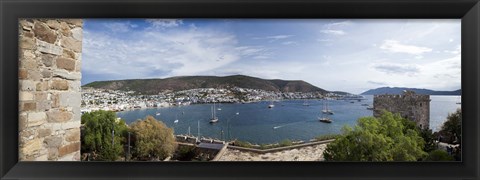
154,86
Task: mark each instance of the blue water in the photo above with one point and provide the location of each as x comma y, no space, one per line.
255,122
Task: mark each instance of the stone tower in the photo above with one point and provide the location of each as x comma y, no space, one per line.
409,105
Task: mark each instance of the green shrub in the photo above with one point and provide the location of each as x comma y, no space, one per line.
439,155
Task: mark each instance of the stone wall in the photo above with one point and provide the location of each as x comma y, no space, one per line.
49,89
413,106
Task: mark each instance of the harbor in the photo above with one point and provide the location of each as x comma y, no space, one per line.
288,119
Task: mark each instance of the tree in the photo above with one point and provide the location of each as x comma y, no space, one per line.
97,135
387,138
451,130
439,155
153,139
429,139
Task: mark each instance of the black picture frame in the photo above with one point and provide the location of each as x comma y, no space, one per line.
466,10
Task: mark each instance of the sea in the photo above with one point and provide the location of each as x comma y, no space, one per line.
295,120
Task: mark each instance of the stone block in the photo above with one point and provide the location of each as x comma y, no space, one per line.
27,85
46,47
70,99
48,59
71,125
28,34
42,158
22,74
72,135
59,85
26,24
77,33
34,75
44,133
54,126
26,135
75,86
44,33
53,141
26,43
78,67
28,64
27,54
77,114
71,43
22,121
65,29
30,147
44,105
71,148
67,75
52,153
36,118
25,96
41,96
46,73
54,24
75,22
66,63
42,86
29,106
59,116
68,54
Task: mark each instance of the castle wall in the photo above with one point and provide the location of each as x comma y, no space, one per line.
49,89
409,105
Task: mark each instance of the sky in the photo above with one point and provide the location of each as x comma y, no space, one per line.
351,55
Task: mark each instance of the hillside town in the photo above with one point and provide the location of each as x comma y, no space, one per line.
116,100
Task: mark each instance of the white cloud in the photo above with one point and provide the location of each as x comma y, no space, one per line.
377,83
250,50
456,51
335,28
274,37
397,69
164,23
333,32
289,43
154,54
121,27
277,37
397,47
324,40
338,24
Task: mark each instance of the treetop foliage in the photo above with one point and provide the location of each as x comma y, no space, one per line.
97,135
387,138
153,139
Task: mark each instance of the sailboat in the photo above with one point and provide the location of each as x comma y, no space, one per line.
271,105
219,107
324,118
325,108
305,103
214,118
176,119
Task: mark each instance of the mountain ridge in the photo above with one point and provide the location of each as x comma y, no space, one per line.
178,83
399,90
